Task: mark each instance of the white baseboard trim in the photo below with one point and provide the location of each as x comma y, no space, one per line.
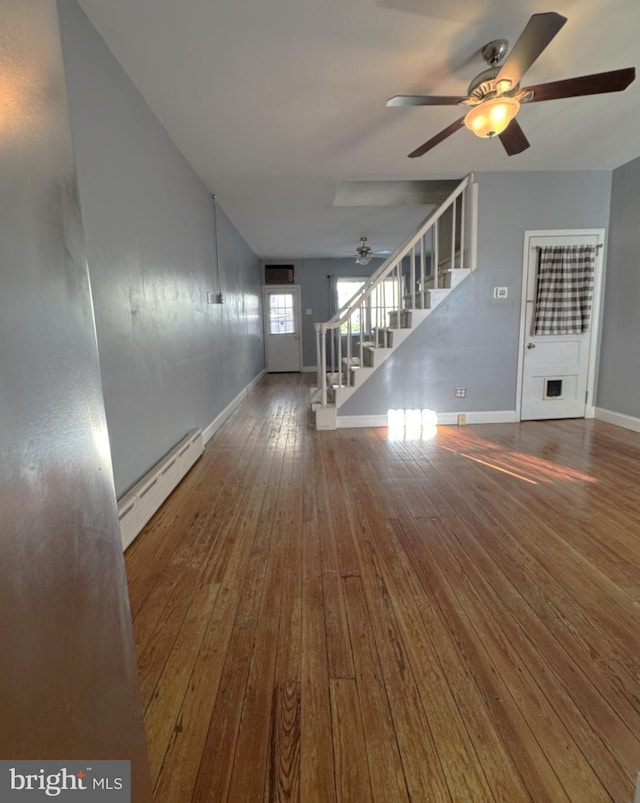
483,417
219,420
444,419
309,369
618,419
356,421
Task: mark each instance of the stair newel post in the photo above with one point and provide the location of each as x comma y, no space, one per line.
399,288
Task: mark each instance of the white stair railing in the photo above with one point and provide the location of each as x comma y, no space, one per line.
445,241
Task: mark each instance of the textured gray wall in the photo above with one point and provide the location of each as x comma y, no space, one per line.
67,662
619,374
170,362
313,277
471,341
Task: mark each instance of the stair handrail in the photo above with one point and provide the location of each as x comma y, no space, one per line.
344,313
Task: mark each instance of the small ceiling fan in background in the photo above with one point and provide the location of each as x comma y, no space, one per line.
494,96
364,253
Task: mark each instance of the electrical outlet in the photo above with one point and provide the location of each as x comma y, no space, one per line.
462,419
461,393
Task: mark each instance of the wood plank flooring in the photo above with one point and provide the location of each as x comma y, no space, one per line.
356,616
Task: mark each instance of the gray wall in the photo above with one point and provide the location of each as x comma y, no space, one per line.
170,362
619,374
313,277
471,341
67,663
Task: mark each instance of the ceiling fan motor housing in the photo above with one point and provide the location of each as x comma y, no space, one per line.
495,51
483,84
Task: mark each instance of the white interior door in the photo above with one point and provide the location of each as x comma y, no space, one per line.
556,370
281,305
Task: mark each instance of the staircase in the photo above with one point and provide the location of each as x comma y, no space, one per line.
397,298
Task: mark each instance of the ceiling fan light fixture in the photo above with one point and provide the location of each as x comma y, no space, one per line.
491,117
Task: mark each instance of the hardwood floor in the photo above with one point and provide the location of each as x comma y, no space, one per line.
352,616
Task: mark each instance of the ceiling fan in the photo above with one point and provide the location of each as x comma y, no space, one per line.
364,253
494,96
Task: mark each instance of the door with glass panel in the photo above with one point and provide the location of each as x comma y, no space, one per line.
562,276
282,328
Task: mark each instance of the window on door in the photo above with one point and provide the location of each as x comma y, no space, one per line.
385,295
281,314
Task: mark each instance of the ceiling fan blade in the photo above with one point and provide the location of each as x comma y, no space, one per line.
598,83
446,132
425,100
513,138
535,37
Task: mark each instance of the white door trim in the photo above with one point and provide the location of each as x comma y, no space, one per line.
266,288
596,310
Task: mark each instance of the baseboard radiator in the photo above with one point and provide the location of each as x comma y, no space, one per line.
137,506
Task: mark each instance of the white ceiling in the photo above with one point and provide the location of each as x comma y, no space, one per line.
275,102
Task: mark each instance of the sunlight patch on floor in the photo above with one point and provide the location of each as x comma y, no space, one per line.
526,467
411,425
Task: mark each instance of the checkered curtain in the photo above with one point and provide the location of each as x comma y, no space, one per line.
565,289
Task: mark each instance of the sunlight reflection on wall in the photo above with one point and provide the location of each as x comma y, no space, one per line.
411,425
